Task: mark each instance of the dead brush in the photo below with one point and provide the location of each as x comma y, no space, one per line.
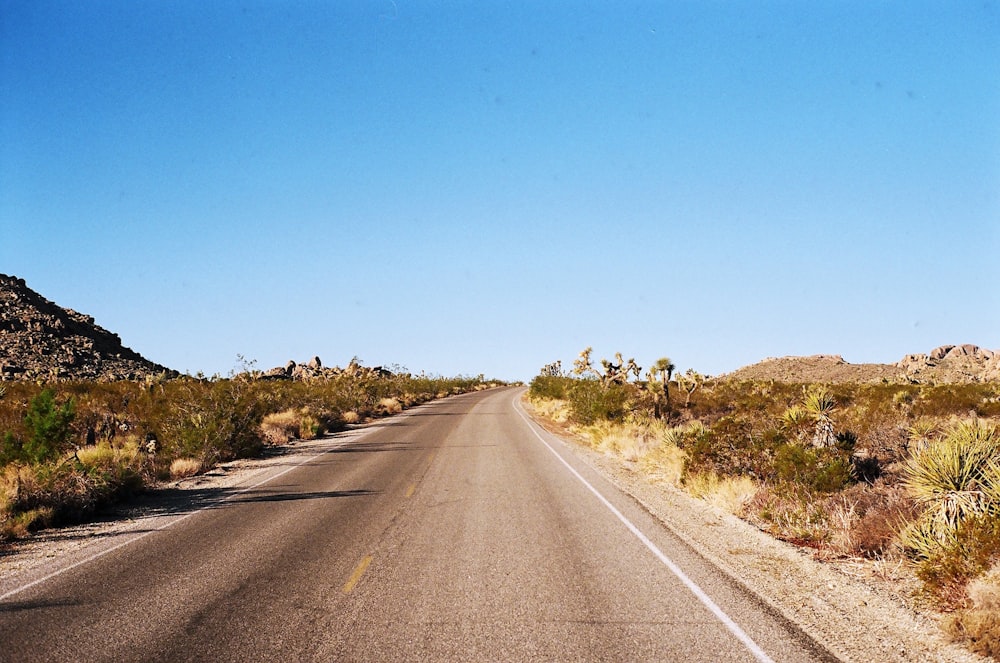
865,519
979,626
791,513
287,425
184,467
388,406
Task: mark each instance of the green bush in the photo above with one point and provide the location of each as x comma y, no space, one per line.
550,386
48,431
590,401
823,470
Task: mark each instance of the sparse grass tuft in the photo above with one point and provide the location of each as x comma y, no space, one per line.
281,427
551,408
287,425
979,626
979,630
387,406
184,467
729,494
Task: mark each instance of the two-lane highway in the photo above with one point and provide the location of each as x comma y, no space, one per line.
458,531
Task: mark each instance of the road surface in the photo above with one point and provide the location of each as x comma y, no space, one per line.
457,531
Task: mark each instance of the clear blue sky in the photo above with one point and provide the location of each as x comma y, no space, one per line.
485,187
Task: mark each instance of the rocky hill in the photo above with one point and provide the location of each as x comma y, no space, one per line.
40,340
945,364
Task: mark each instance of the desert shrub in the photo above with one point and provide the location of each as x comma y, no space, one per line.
955,478
554,409
387,406
865,519
733,445
591,401
790,512
280,427
114,469
215,422
550,386
310,426
979,630
184,467
48,431
956,399
824,470
947,566
664,462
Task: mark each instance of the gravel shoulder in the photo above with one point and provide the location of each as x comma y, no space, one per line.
858,611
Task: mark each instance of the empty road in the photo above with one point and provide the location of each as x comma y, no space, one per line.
457,531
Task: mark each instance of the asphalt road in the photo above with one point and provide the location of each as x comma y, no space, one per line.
457,531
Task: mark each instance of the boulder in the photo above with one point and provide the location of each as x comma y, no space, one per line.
940,352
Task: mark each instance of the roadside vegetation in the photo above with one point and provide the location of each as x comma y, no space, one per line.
68,448
900,474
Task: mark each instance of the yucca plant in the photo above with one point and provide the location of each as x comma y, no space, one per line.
819,406
956,479
921,432
795,420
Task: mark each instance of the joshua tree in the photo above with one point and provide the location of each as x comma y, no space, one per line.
582,365
552,370
659,383
689,382
618,373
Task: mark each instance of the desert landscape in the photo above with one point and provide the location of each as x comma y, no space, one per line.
885,473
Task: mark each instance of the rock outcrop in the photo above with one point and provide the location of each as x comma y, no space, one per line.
953,363
314,369
42,341
945,364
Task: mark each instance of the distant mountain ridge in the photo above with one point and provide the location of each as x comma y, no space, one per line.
945,364
41,340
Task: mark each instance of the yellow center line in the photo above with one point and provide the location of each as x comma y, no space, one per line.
412,488
359,571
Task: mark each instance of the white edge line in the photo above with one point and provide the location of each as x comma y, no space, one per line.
733,627
108,551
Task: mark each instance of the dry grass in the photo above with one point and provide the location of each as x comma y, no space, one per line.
287,425
729,494
629,441
350,417
554,409
664,464
979,630
104,454
984,592
387,406
184,467
281,427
